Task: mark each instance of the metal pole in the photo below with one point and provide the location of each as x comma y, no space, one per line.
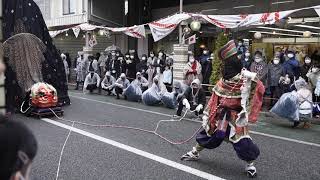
180,27
2,77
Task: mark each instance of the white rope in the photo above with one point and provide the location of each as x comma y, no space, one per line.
62,150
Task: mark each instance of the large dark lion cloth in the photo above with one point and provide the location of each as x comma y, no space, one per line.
24,16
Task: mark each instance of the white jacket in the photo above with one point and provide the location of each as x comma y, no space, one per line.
108,84
95,79
167,76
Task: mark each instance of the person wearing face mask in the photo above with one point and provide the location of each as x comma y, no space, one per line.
81,68
291,66
194,99
241,47
131,67
141,82
17,153
91,82
192,70
125,62
260,67
102,61
151,69
152,96
113,64
142,66
246,61
304,69
108,83
159,63
167,78
206,70
135,89
92,65
204,57
121,85
275,72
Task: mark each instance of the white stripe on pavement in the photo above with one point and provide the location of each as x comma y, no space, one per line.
139,152
163,114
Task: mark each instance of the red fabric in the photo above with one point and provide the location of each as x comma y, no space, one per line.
256,102
194,68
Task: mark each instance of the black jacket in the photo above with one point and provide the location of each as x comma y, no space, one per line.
200,99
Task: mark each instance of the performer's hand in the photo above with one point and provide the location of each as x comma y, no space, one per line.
199,107
205,124
186,103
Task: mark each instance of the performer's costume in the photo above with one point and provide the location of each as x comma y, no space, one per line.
236,100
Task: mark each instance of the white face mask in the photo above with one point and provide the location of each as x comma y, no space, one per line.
113,54
239,56
143,58
257,59
307,61
276,61
290,55
246,59
151,55
127,57
132,57
247,54
191,60
240,44
160,54
205,52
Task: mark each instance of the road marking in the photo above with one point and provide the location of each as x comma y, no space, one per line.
162,114
139,152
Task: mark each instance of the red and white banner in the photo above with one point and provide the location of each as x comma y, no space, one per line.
164,27
133,31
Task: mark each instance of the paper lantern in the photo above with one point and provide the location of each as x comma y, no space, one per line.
195,25
257,35
307,34
101,32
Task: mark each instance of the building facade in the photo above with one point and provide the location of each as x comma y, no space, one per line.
60,14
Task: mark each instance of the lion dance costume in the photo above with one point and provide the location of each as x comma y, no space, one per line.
235,102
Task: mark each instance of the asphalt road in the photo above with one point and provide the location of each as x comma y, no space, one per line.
113,153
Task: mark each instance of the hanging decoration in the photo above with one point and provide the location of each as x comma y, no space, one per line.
163,27
76,31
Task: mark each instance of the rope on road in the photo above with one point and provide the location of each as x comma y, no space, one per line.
139,129
62,150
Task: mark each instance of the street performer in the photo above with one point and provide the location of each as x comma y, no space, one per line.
235,102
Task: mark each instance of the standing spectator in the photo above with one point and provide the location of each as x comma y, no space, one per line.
66,67
192,70
102,64
151,70
304,69
260,67
204,57
159,63
291,66
81,69
142,66
167,78
113,65
18,148
274,73
93,64
246,61
131,67
121,85
69,63
206,71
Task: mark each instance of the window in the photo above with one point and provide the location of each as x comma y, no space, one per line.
69,7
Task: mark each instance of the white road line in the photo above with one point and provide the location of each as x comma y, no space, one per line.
139,152
162,114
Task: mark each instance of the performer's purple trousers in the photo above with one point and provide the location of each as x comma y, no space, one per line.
245,148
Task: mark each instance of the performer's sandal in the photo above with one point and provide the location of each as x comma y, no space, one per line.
251,170
191,155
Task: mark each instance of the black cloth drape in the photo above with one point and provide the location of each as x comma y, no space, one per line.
27,12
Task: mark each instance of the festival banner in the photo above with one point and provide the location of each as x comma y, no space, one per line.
133,31
76,31
164,27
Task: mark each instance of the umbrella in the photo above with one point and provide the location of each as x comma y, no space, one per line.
112,48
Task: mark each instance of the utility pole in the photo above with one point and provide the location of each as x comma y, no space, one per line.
2,78
180,27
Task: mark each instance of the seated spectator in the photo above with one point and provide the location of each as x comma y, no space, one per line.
121,85
141,82
153,95
18,147
142,66
194,98
91,82
313,76
108,83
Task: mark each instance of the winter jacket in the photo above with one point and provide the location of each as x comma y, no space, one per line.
108,83
291,67
200,98
261,68
274,74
